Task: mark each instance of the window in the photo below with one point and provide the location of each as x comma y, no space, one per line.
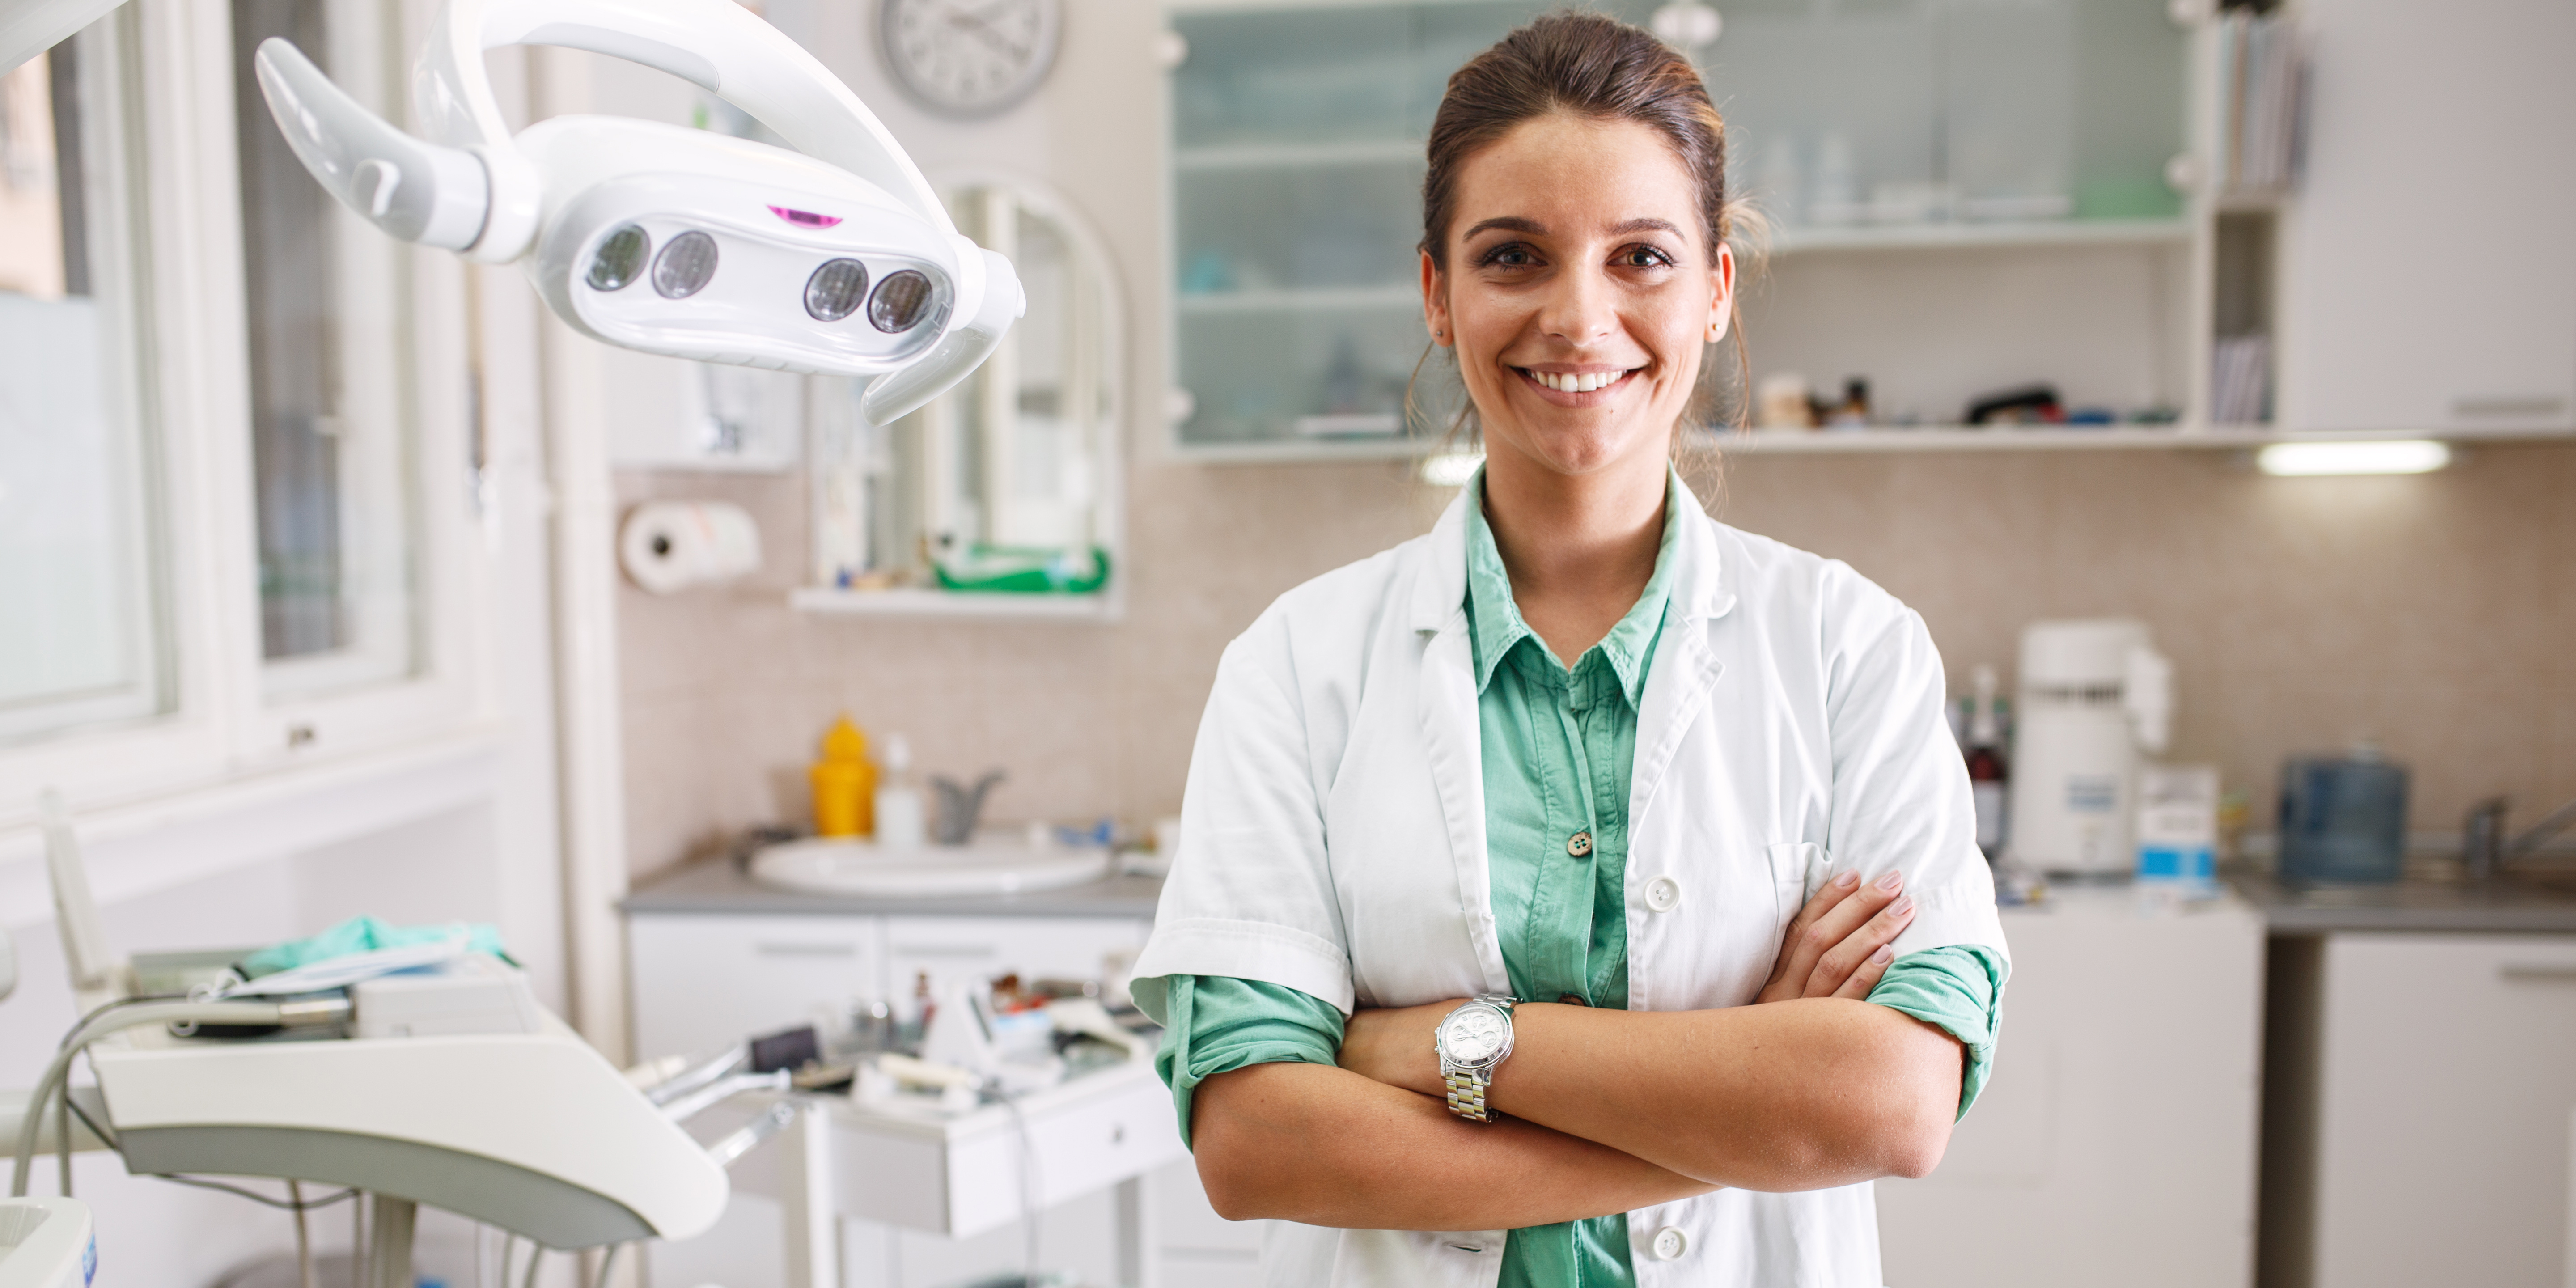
216,387
85,644
323,296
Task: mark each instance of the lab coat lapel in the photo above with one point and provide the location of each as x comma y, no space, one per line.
1445,691
1674,705
1686,666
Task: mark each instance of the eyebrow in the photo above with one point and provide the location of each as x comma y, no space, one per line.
1517,224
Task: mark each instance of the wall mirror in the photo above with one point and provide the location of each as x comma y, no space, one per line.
1002,496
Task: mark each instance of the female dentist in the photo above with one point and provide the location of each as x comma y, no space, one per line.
1458,954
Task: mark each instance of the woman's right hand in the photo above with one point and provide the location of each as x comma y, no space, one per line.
1838,946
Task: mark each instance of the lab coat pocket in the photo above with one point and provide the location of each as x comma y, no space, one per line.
1798,869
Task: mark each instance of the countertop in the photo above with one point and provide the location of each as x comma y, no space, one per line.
2511,905
718,886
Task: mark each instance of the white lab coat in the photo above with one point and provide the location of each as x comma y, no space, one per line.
1333,841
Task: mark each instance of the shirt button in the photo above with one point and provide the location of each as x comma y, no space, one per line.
1670,1244
1663,894
1579,844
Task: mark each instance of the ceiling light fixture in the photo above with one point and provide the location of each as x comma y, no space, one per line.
2384,456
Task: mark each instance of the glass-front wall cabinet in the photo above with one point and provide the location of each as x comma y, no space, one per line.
1296,154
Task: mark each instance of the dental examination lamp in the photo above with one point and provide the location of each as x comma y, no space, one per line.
833,259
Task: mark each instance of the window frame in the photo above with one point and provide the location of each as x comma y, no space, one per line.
165,77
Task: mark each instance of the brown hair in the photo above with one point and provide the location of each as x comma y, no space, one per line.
1592,66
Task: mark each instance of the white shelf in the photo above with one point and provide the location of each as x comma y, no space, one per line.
1294,450
963,605
2026,438
1893,439
1297,156
2050,232
1301,300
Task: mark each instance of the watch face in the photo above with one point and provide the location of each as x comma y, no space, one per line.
1474,1035
969,57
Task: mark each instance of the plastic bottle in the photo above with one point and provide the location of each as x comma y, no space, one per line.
898,812
844,783
1989,777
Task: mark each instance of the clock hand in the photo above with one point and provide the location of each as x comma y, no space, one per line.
980,26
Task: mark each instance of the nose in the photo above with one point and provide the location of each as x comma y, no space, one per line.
1580,308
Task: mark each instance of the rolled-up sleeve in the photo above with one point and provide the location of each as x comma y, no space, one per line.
1219,1024
1958,990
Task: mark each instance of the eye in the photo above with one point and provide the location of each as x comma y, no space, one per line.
1642,256
1508,255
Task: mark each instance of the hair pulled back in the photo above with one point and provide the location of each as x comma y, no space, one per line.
1587,65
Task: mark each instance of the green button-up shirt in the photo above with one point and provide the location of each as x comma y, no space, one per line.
1559,746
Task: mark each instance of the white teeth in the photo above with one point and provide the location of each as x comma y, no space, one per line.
1577,382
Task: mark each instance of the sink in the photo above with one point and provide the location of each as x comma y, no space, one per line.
985,866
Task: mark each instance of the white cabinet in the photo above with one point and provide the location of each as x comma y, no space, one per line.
703,981
2116,1144
2444,1079
951,948
2427,278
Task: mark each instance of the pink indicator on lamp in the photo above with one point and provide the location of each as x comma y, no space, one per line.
804,218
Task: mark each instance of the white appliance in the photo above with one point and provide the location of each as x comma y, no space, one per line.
447,1086
832,259
46,1243
2094,695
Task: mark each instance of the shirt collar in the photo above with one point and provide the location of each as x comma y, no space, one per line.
1494,621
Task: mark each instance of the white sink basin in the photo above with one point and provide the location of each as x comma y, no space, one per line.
855,866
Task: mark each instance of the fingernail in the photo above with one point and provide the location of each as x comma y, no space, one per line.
1883,956
1895,877
1847,880
1902,906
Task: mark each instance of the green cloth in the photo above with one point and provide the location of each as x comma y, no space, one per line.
1559,747
364,935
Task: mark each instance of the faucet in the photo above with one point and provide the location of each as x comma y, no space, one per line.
2484,850
960,806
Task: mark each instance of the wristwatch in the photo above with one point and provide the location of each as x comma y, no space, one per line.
1471,1041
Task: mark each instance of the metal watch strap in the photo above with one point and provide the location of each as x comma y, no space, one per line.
1467,1086
1467,1096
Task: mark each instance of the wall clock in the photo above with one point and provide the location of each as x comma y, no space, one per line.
969,58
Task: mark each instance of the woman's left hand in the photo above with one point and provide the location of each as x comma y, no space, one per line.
1839,945
1395,1045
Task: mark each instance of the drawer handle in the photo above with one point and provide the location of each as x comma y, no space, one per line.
806,950
2539,972
968,951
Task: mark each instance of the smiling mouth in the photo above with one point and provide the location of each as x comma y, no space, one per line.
1577,382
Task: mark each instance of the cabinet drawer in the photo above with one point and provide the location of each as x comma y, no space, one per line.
701,982
952,948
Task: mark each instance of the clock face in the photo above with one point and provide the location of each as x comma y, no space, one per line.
1473,1035
969,57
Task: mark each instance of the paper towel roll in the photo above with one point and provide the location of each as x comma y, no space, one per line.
669,546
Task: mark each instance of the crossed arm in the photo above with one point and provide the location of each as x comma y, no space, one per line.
1604,1111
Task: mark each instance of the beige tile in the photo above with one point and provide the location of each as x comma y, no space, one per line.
2434,613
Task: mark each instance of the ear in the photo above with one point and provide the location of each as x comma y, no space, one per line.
1435,303
1721,296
